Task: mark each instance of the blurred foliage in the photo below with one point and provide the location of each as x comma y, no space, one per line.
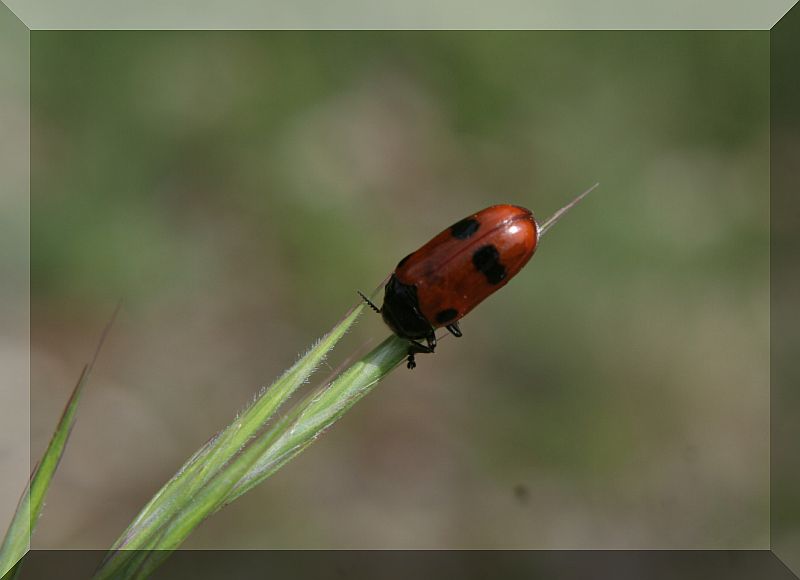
235,188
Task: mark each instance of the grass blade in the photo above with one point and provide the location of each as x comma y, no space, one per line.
182,494
284,441
311,418
23,524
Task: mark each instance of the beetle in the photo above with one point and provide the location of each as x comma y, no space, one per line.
445,279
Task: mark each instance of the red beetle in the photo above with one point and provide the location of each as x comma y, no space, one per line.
454,272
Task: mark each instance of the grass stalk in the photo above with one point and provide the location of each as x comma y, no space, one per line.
238,458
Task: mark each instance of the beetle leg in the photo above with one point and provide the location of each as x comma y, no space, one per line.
454,329
415,348
431,340
369,302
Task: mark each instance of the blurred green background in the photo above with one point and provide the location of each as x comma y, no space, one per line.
236,188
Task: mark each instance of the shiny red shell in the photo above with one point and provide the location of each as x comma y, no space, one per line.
466,263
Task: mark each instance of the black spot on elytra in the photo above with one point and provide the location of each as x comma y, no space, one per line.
487,261
446,315
465,228
403,261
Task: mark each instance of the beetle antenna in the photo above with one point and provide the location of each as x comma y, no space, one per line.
369,302
550,222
